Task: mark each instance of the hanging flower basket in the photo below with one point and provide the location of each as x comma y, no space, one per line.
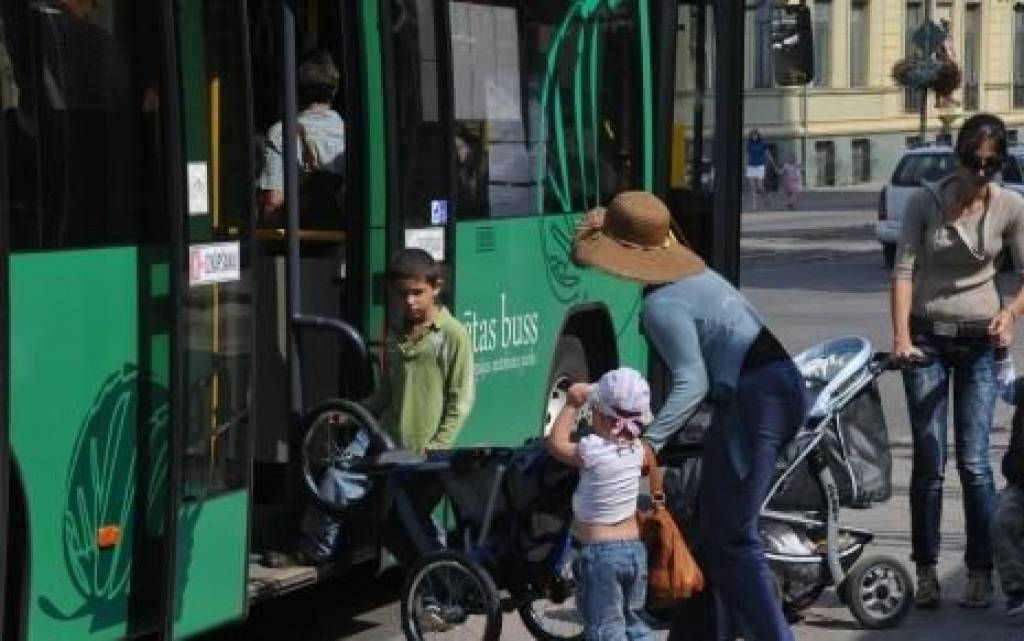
941,76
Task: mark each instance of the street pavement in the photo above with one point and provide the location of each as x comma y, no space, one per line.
814,273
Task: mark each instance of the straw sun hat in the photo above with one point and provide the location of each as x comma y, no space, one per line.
632,239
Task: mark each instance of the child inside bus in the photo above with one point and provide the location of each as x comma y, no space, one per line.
427,389
611,570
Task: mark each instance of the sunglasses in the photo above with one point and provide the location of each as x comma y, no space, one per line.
984,163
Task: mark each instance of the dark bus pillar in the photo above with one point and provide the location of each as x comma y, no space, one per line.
728,145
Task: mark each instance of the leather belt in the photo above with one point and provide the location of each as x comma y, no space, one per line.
949,329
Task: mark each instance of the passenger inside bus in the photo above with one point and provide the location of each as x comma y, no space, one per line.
321,153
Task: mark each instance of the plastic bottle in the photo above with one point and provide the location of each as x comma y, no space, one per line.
1006,375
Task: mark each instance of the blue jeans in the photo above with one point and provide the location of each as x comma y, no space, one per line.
740,594
969,362
611,588
321,532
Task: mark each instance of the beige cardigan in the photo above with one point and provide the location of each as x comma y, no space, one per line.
952,264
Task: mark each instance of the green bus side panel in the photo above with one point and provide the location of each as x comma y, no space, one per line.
375,166
515,286
74,401
212,552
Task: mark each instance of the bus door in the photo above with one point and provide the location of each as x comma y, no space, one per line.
215,322
86,200
302,290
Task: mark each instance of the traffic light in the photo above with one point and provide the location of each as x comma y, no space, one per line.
792,45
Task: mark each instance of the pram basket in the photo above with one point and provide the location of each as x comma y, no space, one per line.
845,426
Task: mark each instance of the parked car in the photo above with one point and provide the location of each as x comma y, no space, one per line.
917,164
1013,170
930,164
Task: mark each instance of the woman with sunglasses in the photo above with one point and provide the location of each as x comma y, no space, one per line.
948,316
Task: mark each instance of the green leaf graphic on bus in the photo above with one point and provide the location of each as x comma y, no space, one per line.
120,457
571,127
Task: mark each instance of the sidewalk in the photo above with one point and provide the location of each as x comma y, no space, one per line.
845,198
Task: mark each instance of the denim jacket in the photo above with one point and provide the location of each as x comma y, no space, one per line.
702,327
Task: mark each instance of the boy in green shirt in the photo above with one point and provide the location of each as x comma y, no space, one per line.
424,398
428,385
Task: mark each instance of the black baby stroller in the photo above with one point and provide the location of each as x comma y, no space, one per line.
508,547
840,458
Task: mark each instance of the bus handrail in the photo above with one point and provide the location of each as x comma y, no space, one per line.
349,335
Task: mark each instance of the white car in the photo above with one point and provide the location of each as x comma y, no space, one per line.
1013,170
917,164
930,164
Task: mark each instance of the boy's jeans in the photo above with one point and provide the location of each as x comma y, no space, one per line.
1008,540
611,588
969,362
320,531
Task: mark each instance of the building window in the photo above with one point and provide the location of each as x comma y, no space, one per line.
914,20
822,43
1018,58
1011,136
972,56
764,66
859,43
861,160
825,163
944,138
912,141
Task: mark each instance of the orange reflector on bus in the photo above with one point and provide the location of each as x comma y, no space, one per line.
108,536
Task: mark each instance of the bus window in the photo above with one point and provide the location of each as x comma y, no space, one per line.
692,174
218,313
546,117
423,167
81,124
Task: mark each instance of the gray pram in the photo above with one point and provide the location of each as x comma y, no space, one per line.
839,458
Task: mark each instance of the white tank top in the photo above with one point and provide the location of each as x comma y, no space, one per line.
609,480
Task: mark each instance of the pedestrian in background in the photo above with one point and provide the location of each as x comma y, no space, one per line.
946,309
758,157
791,182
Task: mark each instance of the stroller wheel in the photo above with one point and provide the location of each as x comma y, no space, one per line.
338,436
447,595
879,592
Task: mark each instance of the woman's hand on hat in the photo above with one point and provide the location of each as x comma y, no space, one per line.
578,394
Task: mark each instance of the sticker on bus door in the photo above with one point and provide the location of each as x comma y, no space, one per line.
214,263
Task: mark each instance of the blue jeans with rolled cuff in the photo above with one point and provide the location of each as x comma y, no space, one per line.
611,589
968,363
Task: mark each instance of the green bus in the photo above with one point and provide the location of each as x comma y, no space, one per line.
163,344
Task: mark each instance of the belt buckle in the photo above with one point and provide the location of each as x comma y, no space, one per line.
940,328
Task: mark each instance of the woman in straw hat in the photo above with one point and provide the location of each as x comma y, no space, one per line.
717,348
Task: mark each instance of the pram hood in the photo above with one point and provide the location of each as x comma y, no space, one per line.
830,367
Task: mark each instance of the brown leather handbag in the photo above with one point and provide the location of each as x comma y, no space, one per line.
672,572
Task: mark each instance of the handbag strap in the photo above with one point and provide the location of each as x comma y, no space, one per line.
310,160
653,474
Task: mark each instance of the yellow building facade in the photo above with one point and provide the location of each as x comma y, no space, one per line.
852,124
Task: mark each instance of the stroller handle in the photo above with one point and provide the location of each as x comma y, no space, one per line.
887,362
